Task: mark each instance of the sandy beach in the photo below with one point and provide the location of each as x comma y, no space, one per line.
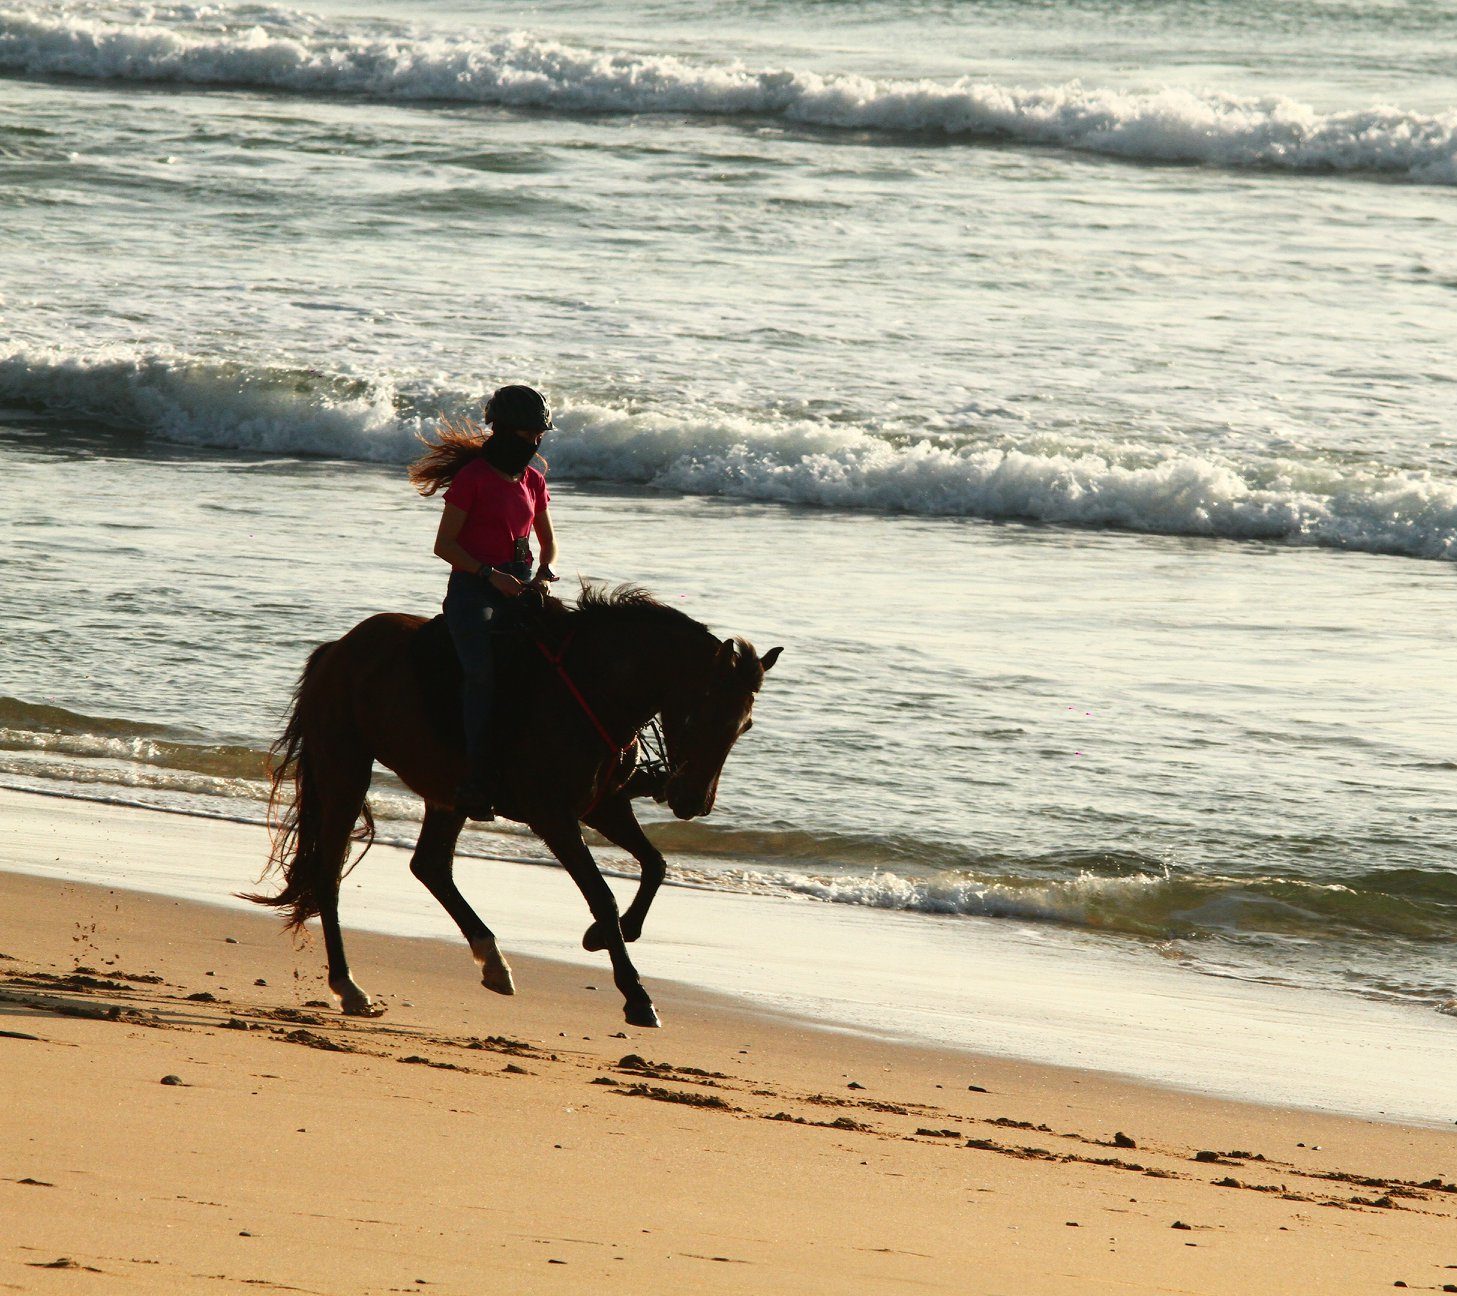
465,1143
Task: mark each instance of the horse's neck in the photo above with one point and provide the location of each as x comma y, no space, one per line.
639,672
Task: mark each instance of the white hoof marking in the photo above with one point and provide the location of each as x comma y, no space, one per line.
495,971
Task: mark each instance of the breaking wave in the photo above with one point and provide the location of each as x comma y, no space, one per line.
975,474
1113,891
50,739
1415,904
277,49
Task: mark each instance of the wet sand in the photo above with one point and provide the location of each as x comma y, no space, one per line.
1029,991
464,1143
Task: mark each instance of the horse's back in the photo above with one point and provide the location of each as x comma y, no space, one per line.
377,635
390,646
399,674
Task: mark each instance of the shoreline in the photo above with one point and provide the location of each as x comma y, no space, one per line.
540,1140
989,988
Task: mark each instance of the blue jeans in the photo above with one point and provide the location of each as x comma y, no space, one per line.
476,613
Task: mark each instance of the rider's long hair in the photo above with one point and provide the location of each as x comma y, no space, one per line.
457,442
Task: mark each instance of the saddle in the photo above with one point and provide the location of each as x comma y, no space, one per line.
519,664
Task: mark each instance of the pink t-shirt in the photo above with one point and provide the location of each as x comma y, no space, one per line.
498,510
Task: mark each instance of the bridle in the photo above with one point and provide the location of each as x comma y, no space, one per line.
648,741
652,750
690,718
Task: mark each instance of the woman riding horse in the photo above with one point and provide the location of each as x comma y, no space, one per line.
382,694
494,499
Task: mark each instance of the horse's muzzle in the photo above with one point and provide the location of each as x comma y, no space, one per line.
690,803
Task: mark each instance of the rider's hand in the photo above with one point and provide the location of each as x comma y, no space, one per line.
545,575
506,583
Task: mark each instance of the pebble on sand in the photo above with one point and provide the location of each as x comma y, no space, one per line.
172,1080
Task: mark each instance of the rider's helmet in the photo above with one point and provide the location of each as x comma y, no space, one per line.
518,409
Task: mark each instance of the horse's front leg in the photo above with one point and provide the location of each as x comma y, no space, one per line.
433,863
615,820
564,838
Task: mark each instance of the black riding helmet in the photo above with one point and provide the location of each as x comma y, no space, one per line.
518,409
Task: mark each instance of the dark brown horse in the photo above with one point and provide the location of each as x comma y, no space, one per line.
386,692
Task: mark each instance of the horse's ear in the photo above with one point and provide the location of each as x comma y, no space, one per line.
770,657
724,659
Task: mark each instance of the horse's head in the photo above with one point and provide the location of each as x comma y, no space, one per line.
701,725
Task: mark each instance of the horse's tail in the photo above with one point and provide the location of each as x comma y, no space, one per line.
296,815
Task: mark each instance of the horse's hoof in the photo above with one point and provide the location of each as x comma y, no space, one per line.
642,1015
498,978
353,1002
495,971
594,939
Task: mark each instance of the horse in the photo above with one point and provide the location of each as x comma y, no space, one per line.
576,689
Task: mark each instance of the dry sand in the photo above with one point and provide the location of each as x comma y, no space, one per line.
466,1144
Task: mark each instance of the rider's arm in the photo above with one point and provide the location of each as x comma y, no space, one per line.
547,537
447,544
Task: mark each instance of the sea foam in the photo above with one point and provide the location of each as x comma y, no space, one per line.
1162,490
1160,905
278,49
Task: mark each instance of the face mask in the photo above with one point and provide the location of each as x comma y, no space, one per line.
509,453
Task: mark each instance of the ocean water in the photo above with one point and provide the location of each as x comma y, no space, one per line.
1068,387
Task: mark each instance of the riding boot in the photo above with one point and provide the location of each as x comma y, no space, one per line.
476,796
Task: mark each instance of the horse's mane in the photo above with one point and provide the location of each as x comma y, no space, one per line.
632,605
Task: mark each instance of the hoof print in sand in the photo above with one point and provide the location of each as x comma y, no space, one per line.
675,1096
310,1039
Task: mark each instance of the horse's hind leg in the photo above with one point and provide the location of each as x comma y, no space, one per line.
615,820
339,814
433,863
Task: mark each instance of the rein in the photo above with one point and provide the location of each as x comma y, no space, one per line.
557,661
619,750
